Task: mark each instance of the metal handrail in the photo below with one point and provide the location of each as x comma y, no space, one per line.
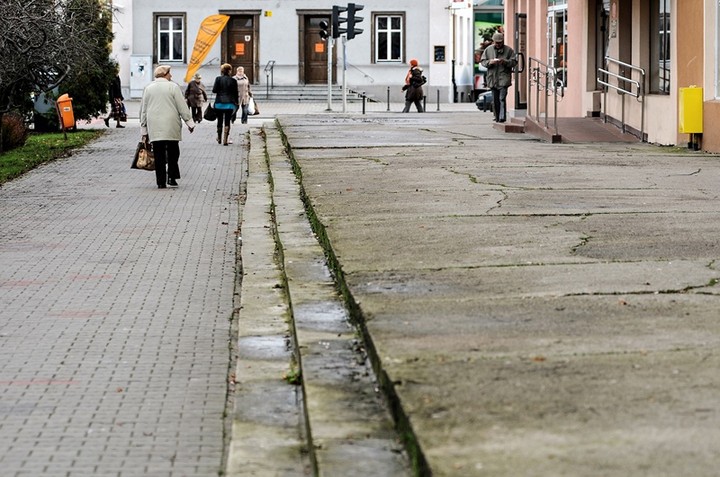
545,77
269,77
623,85
372,80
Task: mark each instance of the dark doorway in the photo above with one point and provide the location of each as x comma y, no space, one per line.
521,77
314,51
241,44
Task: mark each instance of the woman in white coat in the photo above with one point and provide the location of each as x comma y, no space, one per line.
162,111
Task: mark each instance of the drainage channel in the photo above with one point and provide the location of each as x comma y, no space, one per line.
293,324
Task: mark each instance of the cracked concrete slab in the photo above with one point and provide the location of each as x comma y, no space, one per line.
537,309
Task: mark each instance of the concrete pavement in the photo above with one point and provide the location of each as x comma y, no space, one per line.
529,309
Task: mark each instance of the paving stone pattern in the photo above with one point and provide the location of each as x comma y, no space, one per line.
116,301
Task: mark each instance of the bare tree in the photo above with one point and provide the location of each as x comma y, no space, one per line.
42,42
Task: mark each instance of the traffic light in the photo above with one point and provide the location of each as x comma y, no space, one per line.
324,30
353,20
337,20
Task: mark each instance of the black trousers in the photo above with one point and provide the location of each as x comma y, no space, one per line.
197,113
167,154
224,118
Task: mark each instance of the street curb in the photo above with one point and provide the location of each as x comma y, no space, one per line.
347,421
418,462
266,434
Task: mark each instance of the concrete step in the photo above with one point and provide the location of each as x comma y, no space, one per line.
539,130
329,418
515,125
310,93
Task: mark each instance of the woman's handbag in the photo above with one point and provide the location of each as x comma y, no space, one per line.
144,157
252,106
210,113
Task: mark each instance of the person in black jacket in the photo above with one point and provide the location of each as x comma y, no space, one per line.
226,101
414,80
117,107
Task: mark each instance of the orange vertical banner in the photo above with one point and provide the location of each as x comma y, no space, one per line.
210,29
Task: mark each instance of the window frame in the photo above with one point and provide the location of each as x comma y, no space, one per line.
376,31
158,32
660,76
557,52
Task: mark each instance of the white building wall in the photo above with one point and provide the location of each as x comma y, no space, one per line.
122,40
428,23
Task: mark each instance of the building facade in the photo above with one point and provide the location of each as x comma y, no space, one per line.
280,43
634,46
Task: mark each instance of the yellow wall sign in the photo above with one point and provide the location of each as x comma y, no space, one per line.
268,13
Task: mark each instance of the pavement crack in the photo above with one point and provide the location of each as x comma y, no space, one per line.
688,174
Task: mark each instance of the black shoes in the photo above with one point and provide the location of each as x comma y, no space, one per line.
172,182
107,122
119,126
163,186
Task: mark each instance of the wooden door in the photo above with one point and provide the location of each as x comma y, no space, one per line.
315,51
240,43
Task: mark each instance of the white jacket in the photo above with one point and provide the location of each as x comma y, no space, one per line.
161,110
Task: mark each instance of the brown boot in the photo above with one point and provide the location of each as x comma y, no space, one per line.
226,133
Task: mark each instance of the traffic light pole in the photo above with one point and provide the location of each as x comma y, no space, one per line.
330,43
344,75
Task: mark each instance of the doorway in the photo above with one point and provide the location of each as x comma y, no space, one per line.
240,45
314,51
520,47
557,42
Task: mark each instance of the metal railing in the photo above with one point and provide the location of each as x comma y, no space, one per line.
546,81
365,75
269,77
623,84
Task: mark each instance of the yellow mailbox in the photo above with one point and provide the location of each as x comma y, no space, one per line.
690,117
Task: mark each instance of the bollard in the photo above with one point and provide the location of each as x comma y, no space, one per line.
363,98
267,86
388,98
438,100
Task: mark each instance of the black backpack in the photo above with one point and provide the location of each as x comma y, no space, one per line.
417,79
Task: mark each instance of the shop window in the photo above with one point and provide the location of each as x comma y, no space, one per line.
170,39
660,65
389,38
558,40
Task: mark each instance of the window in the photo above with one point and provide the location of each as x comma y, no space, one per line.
389,38
170,44
558,40
660,65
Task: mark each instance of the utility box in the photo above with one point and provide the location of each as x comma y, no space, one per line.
65,110
690,114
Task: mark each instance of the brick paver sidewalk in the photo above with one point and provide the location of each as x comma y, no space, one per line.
116,301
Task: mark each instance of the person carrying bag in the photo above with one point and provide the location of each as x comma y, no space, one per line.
226,102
